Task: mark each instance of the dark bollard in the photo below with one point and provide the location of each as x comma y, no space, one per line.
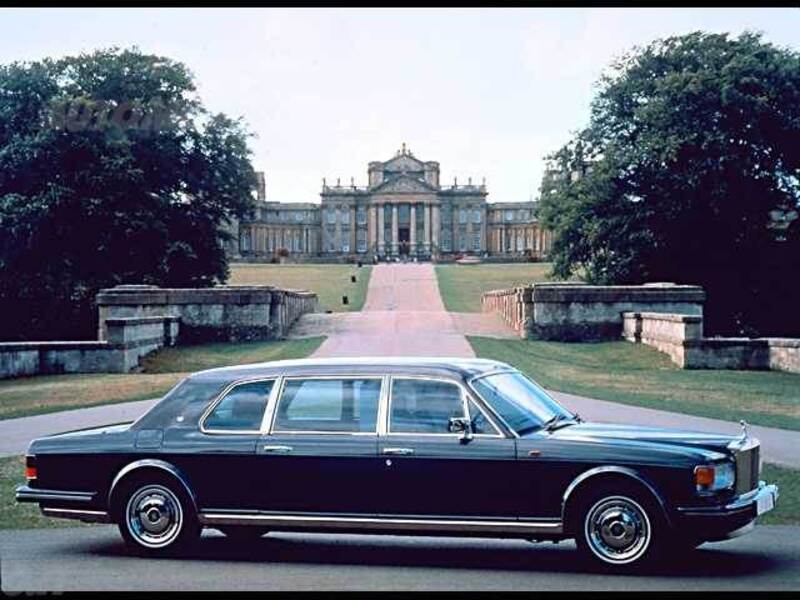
345,300
352,278
360,264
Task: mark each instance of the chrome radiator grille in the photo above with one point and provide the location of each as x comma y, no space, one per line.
747,468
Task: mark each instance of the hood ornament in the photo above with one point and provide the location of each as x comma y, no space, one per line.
743,423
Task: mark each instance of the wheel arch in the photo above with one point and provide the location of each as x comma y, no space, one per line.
149,464
605,473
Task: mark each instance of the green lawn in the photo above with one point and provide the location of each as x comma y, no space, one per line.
636,374
162,370
329,282
26,516
461,286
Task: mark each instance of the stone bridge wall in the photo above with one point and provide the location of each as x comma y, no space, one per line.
577,312
222,313
681,337
128,340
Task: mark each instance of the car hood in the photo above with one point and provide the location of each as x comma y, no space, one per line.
603,432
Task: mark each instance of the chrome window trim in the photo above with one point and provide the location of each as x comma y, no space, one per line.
465,398
228,389
272,431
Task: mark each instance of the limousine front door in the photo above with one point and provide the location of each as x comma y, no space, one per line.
321,455
428,471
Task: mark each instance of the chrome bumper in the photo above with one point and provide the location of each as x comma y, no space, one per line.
724,521
29,494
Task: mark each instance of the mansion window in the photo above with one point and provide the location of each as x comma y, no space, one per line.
345,245
298,216
476,241
447,240
330,215
476,215
509,215
361,215
244,241
462,241
462,215
330,239
361,240
344,215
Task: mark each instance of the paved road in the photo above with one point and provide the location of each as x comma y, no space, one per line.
403,316
93,558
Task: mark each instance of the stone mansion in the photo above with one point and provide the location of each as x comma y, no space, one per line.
403,211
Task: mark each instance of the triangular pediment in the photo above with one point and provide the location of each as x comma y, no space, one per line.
404,183
404,162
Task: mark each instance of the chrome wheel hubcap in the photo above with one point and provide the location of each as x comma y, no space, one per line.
617,530
154,516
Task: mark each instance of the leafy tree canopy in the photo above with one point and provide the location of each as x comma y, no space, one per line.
689,171
111,171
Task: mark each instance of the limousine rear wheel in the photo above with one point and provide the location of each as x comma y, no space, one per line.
620,526
156,515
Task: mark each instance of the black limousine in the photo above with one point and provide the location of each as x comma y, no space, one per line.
403,446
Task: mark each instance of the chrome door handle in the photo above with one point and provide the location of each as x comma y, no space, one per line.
400,451
277,449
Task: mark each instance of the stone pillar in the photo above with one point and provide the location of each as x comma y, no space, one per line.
426,237
394,229
381,227
353,228
412,229
371,229
436,217
503,239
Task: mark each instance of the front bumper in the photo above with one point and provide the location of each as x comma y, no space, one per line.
720,522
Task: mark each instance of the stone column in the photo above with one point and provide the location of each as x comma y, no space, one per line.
371,233
412,229
426,237
353,228
436,217
503,238
394,229
381,220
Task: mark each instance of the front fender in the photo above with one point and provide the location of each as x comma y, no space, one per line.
605,470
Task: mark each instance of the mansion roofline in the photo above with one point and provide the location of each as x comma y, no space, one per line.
404,210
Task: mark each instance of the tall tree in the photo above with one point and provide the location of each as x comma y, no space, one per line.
689,171
111,171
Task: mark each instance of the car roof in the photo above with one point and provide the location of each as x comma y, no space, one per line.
453,366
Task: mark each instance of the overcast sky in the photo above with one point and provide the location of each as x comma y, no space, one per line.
487,93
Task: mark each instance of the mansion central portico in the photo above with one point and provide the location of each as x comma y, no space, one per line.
403,210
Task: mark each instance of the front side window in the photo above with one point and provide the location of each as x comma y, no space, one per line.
519,401
328,405
424,406
242,408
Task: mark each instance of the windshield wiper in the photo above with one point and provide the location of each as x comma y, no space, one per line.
560,421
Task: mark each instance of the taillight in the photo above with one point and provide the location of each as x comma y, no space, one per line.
30,468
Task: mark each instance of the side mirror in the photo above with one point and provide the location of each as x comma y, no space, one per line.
462,425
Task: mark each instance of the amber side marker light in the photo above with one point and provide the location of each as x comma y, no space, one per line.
30,468
704,476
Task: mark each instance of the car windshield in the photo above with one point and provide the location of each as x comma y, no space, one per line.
519,401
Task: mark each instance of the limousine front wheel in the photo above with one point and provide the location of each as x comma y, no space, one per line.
620,527
156,515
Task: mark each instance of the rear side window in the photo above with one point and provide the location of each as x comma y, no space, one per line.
242,408
328,405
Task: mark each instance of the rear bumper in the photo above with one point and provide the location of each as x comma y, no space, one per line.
64,504
729,520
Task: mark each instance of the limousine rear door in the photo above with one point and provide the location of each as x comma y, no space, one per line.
320,455
428,470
